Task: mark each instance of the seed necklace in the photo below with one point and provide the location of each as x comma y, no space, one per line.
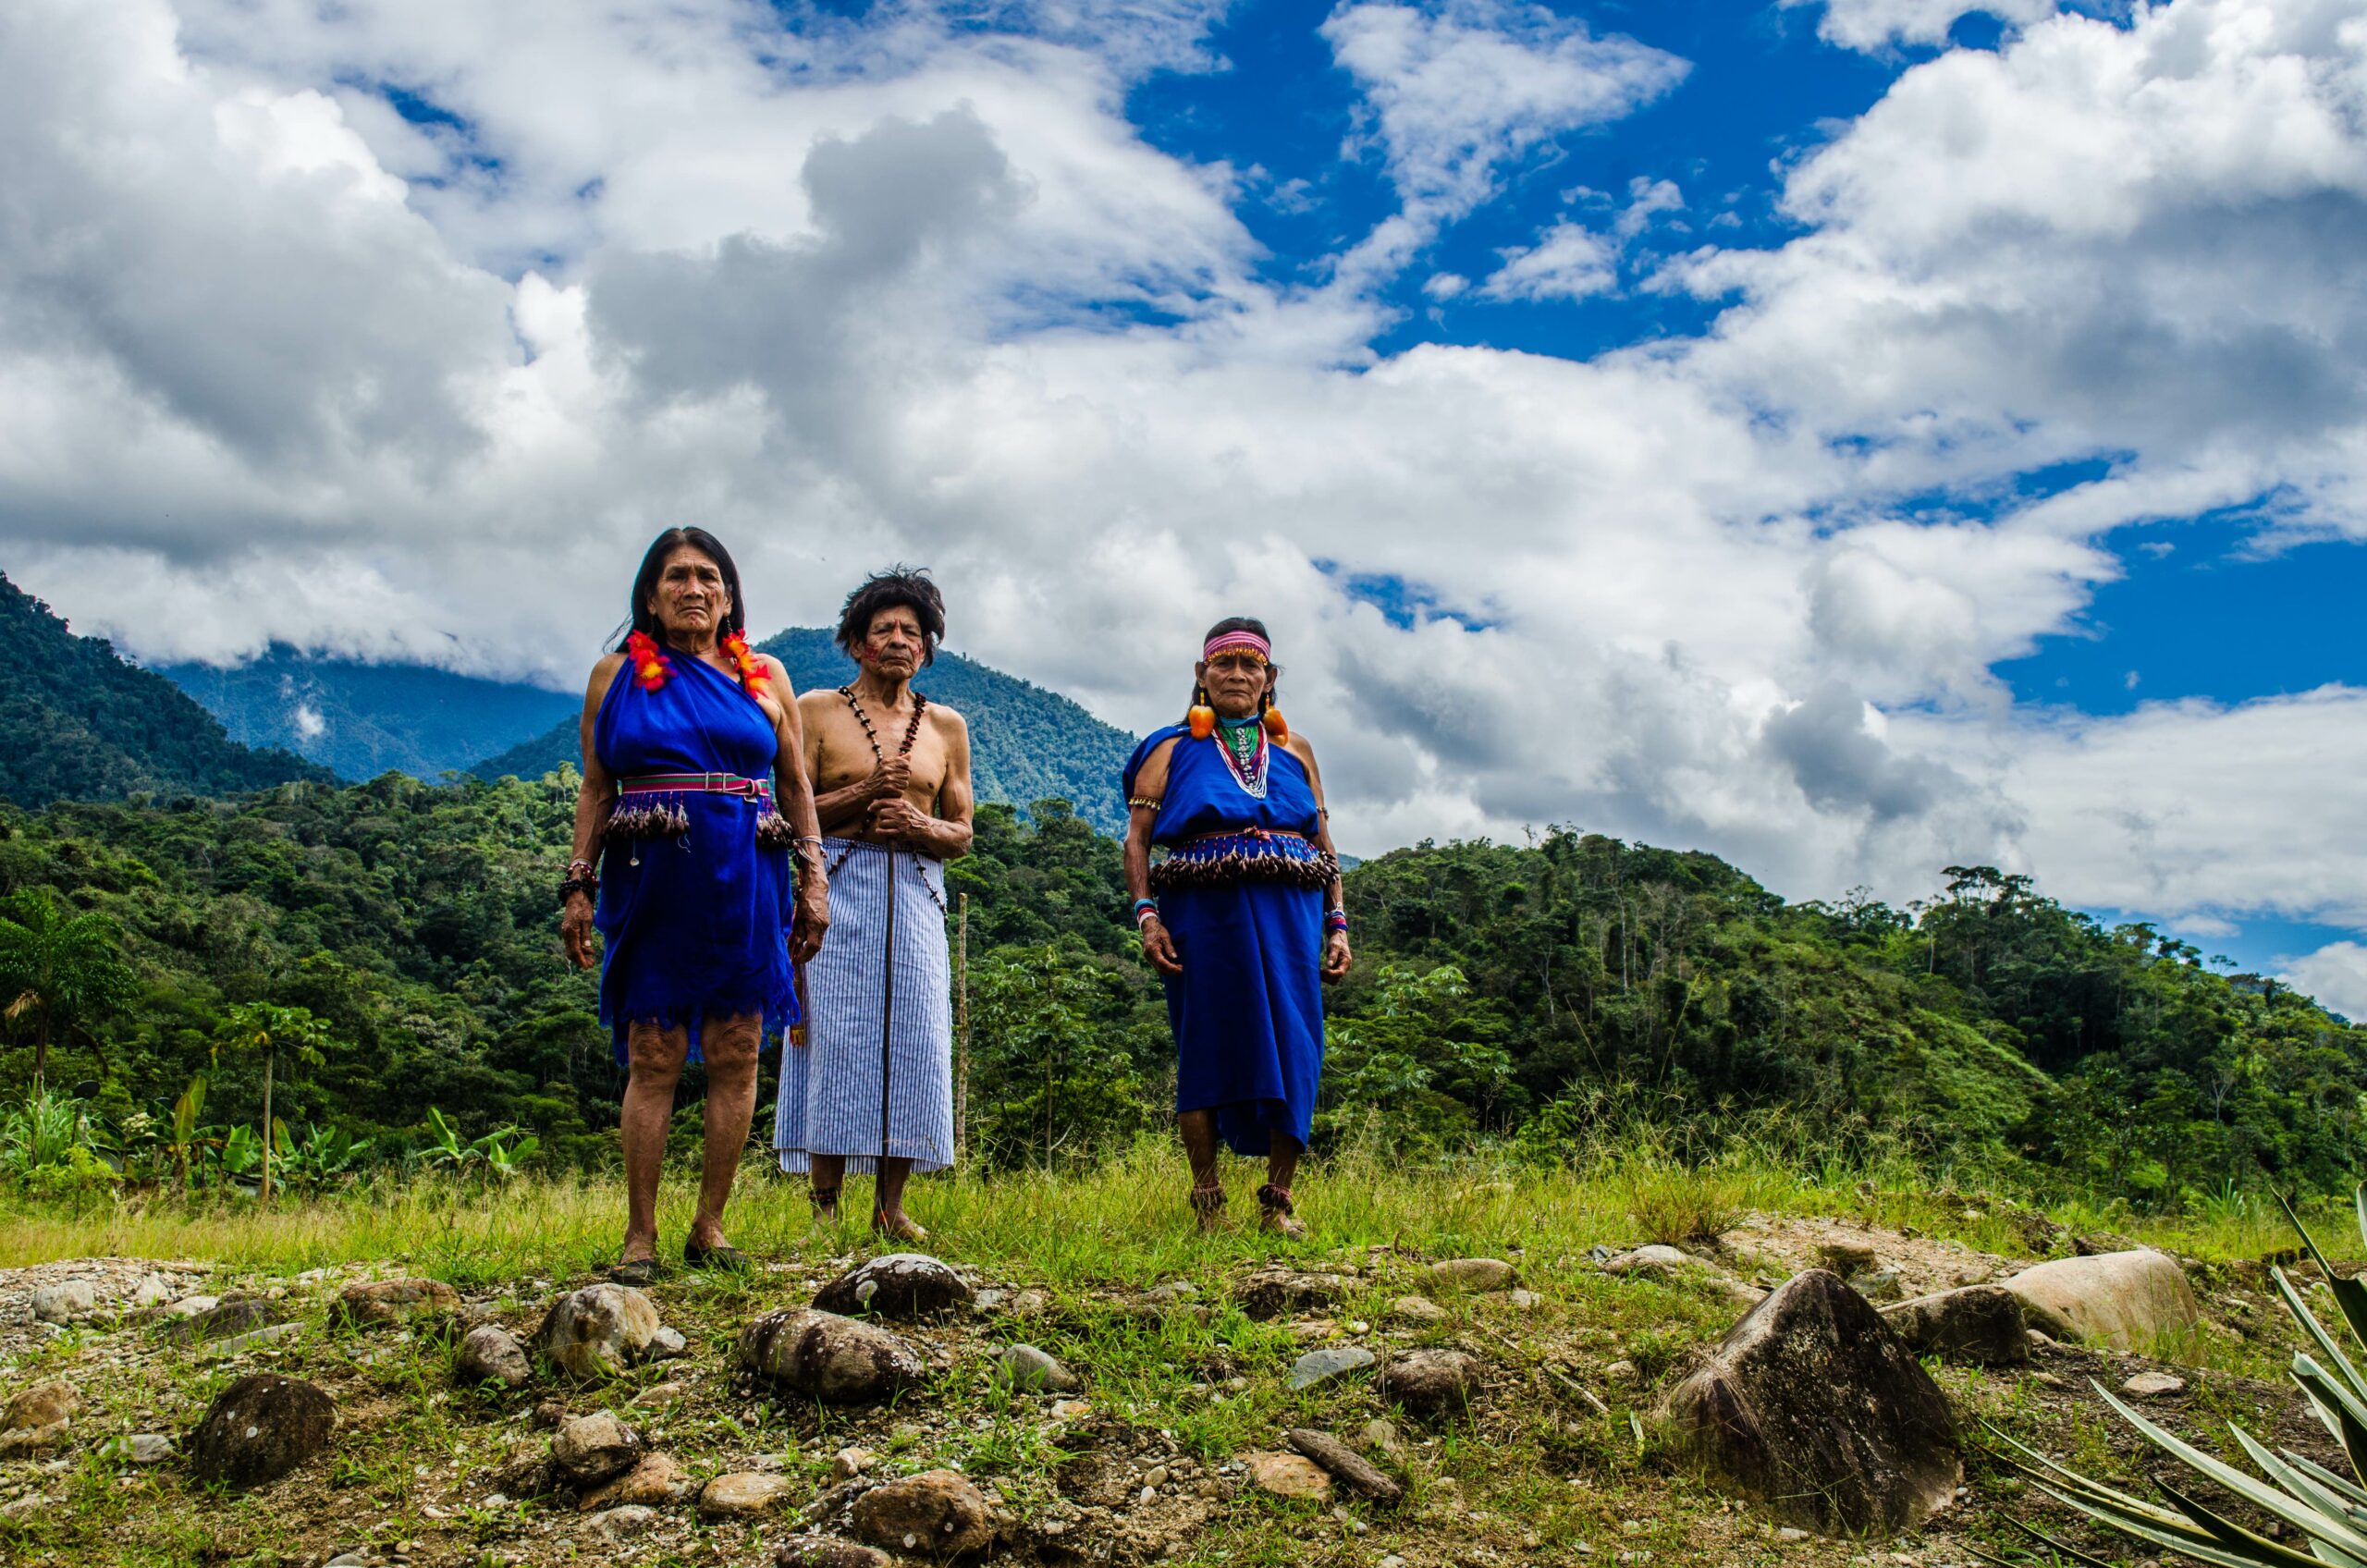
872,735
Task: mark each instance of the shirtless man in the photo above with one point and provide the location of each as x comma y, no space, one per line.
872,1090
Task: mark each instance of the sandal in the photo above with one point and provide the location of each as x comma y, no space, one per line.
1208,1204
638,1272
1275,1213
726,1258
905,1229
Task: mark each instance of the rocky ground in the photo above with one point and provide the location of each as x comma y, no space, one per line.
1371,1408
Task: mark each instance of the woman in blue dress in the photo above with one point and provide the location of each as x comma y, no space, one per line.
1242,918
694,786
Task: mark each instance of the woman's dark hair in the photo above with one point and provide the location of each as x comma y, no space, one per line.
1248,623
899,587
653,567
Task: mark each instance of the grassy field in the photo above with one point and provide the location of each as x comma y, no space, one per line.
1559,1465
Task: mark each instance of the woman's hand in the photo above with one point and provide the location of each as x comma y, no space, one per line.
1336,958
575,931
813,921
1160,948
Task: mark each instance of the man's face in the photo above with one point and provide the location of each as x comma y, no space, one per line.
894,645
691,598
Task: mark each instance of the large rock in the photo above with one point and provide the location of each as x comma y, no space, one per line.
599,1330
226,1318
1289,1476
2124,1299
1321,1366
43,1405
1436,1384
259,1428
937,1514
1475,1274
66,1300
492,1354
1031,1370
1981,1324
381,1303
833,1359
593,1448
742,1494
1271,1293
902,1286
1812,1405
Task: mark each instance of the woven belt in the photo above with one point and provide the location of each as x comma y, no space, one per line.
695,784
1247,833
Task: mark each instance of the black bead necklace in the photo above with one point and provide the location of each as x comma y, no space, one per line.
872,735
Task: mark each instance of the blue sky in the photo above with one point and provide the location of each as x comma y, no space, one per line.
1852,436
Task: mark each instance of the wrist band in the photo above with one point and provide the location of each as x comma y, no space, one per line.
1144,907
1337,919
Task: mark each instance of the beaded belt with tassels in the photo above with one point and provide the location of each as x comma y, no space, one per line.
659,820
1247,854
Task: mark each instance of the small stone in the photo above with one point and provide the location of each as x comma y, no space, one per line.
619,1524
1276,1292
191,1306
2153,1385
1416,1309
1345,1466
1071,1410
259,1428
658,1393
1846,1259
1392,1560
1475,1274
1655,1260
153,1289
1383,1438
742,1495
1030,1304
226,1318
1031,1370
254,1339
1289,1476
1624,1371
148,1448
650,1482
1431,1383
1169,1294
358,1558
599,1330
1154,1477
1791,1533
828,1551
849,1462
493,1355
64,1302
1318,1365
43,1405
1523,1301
667,1344
550,1413
590,1448
937,1512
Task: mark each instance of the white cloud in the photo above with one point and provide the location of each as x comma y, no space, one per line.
1884,24
2335,975
1567,263
276,362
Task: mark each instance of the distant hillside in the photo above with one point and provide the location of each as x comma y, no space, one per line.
77,722
362,719
1026,744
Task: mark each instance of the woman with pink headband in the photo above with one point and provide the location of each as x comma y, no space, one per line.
1242,918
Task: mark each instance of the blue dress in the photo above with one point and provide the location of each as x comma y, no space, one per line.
696,928
1247,1011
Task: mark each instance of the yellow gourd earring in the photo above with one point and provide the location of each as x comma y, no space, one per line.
1201,720
1271,718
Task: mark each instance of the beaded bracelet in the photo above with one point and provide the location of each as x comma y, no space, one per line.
1144,907
586,884
1337,919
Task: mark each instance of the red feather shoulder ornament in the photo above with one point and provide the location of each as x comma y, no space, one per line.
651,668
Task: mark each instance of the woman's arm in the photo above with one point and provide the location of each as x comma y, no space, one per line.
1142,814
592,798
1336,956
794,798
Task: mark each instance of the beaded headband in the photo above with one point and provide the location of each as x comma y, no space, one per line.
1232,640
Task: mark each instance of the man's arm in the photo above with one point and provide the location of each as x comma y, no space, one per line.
946,833
843,810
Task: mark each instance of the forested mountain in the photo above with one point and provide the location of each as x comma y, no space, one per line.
76,721
360,719
1026,744
1531,994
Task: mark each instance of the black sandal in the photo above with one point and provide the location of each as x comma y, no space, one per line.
638,1272
728,1258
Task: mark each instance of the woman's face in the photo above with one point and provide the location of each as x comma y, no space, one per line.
690,601
1235,679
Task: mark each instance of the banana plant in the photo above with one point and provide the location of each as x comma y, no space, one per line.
2326,1509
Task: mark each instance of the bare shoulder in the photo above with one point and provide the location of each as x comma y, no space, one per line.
818,701
948,722
1150,779
1298,746
778,673
604,675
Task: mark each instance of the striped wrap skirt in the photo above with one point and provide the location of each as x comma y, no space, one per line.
875,1074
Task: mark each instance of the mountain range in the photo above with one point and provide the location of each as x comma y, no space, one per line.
78,722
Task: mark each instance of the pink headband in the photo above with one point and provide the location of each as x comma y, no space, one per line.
1232,640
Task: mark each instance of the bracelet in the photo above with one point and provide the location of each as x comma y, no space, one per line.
1337,919
1141,802
586,884
1144,907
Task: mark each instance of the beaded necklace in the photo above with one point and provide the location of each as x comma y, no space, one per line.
872,735
1244,753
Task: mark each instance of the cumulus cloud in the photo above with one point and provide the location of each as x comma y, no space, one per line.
1884,24
2335,975
277,361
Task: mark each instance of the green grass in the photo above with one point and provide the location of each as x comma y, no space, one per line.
1544,1471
